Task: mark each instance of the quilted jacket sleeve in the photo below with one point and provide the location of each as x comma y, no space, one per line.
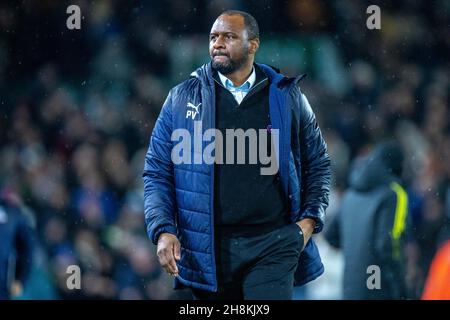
315,163
159,191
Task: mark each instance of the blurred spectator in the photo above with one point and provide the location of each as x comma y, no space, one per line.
437,285
16,250
370,226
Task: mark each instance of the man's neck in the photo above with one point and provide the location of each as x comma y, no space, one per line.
238,77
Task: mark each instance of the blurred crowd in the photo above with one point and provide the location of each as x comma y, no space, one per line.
78,107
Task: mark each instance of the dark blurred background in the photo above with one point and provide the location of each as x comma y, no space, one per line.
78,107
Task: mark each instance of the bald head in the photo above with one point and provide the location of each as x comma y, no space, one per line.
250,23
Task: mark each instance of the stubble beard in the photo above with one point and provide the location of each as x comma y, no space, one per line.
229,66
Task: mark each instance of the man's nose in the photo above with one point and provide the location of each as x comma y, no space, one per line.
219,43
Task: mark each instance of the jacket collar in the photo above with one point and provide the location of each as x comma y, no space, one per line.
205,75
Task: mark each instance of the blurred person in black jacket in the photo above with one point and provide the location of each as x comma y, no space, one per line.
16,247
371,225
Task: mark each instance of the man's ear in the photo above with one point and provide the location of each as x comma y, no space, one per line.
254,46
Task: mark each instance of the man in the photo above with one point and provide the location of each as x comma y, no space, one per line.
371,225
232,229
16,248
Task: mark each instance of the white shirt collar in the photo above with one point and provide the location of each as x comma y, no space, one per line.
251,79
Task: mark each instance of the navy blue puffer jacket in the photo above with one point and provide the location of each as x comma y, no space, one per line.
179,197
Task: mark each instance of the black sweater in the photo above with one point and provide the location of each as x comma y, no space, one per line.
246,202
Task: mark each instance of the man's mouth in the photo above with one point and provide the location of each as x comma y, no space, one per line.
220,57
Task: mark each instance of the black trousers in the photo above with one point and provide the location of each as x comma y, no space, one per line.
256,268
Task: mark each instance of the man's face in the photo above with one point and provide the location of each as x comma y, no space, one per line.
229,46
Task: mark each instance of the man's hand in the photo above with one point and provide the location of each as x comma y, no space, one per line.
307,225
168,251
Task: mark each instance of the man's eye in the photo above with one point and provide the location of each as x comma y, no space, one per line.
212,38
